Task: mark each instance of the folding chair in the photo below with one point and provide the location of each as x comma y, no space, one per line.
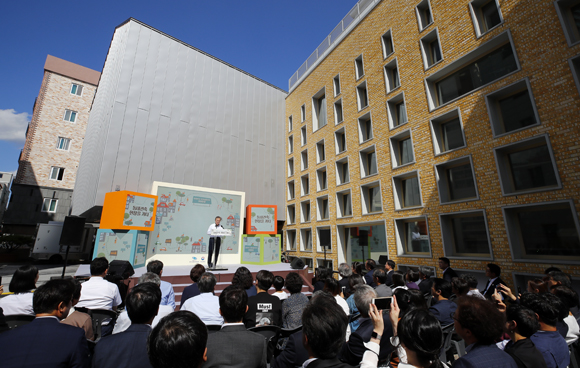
447,334
17,320
271,334
100,316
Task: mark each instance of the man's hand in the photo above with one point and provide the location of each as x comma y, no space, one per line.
506,291
377,318
394,315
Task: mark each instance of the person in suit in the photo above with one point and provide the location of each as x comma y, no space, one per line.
293,355
233,345
370,265
179,340
214,242
480,324
492,271
128,349
442,307
344,271
380,279
45,342
426,280
521,324
192,290
448,272
167,293
390,268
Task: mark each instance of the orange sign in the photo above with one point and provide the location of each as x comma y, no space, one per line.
126,210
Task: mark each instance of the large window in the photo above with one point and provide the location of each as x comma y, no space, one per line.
465,234
49,205
291,239
365,128
368,160
324,240
397,111
447,132
371,198
485,14
412,236
387,43
569,13
70,115
392,80
343,204
321,179
306,239
319,110
291,214
56,173
323,211
342,174
431,49
424,15
456,180
407,191
402,149
305,211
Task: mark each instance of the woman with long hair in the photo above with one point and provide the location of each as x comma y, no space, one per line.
22,285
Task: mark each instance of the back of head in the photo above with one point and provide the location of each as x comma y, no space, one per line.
550,269
207,282
294,283
495,269
443,286
471,280
98,266
398,279
196,272
381,275
332,286
363,297
77,290
48,296
538,286
560,277
243,278
278,283
546,305
178,340
567,295
233,303
344,270
425,271
264,279
481,317
24,279
370,264
417,299
359,268
322,273
526,322
354,280
143,302
403,300
324,326
459,286
412,275
150,277
155,267
421,333
391,264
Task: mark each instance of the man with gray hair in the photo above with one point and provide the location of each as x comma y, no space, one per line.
344,271
426,281
123,321
205,305
353,350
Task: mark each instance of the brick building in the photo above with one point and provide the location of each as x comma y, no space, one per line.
5,180
42,188
439,128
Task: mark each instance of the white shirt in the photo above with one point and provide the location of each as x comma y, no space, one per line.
123,321
305,364
281,295
573,328
371,356
476,293
490,283
17,304
98,293
206,306
343,304
212,227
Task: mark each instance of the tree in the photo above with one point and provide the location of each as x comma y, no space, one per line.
12,242
126,215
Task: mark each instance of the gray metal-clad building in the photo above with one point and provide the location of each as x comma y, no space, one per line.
166,111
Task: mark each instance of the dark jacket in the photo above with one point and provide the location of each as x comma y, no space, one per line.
263,307
189,292
442,311
353,350
293,355
489,292
425,285
328,363
234,346
126,349
449,274
485,356
525,354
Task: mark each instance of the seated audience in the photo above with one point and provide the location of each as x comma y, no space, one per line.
192,290
233,345
22,284
472,284
178,340
445,266
98,293
569,298
263,308
521,323
537,286
45,342
123,321
370,265
129,348
390,268
243,278
358,268
167,293
322,274
278,285
206,305
398,280
441,306
380,279
78,318
459,287
409,299
549,342
480,324
331,286
354,280
411,278
425,275
492,271
293,307
344,271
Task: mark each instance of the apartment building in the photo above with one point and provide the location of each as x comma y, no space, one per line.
425,129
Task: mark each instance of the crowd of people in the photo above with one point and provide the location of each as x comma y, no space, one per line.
340,325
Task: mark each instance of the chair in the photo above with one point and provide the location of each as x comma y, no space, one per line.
100,316
17,320
213,328
447,334
353,317
284,334
271,334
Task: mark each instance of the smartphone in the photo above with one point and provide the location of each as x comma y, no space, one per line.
343,289
519,290
383,303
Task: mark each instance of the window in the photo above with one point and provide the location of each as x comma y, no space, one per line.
512,108
324,240
371,198
343,204
336,84
407,191
56,173
340,140
290,144
396,111
527,166
402,149
392,76
304,160
70,115
387,43
320,154
456,180
306,239
63,144
49,205
342,174
290,126
575,67
291,214
338,117
362,96
359,68
303,135
322,205
543,231
485,14
304,185
319,110
291,239
368,162
424,16
290,167
302,113
305,211
76,89
431,49
365,128
447,132
465,234
569,14
412,236
326,263
321,179
291,192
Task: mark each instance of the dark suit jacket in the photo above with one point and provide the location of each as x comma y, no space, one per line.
449,274
425,285
330,363
369,278
189,292
3,325
294,355
127,349
46,343
390,278
485,356
234,346
344,283
353,350
491,289
442,311
525,354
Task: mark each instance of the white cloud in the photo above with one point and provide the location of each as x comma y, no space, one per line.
13,125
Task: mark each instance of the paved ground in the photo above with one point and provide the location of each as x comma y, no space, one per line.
46,272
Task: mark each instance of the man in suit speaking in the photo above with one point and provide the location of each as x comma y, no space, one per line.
214,241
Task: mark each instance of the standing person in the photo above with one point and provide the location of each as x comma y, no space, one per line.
492,271
445,266
370,265
390,267
344,271
214,241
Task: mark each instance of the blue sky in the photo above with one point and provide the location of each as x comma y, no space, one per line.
269,39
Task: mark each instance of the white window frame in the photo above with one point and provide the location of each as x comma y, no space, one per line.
291,167
398,190
318,246
361,134
320,160
418,10
315,99
435,125
365,200
304,219
575,68
400,237
291,144
387,34
319,171
425,43
319,201
289,209
448,241
303,248
359,64
302,186
443,185
338,103
303,113
358,95
365,170
76,93
291,245
303,160
50,200
388,72
291,190
52,169
290,124
475,10
340,131
338,175
336,85
395,148
303,137
563,10
70,112
68,144
340,205
392,104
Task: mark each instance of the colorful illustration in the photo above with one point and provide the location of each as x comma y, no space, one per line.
138,211
251,249
271,249
122,245
262,219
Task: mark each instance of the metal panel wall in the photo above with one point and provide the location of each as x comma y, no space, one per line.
165,111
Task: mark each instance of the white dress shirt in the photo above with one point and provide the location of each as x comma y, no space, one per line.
281,295
206,306
123,321
212,227
17,304
98,293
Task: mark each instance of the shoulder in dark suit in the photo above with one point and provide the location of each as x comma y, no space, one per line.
525,354
485,356
442,311
234,346
390,277
189,292
44,342
127,349
343,283
449,274
425,285
369,278
328,363
294,355
353,350
491,289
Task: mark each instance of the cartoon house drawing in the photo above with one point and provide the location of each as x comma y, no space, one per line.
167,242
196,247
237,218
231,221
